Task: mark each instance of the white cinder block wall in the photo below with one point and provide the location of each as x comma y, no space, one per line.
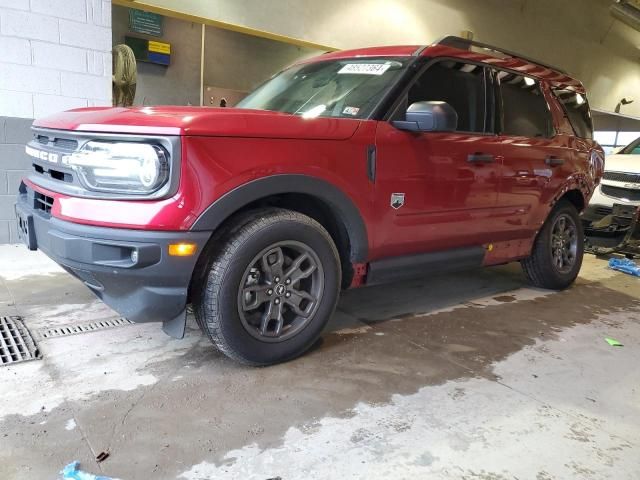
54,55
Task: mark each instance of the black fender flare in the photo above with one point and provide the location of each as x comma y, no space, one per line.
333,197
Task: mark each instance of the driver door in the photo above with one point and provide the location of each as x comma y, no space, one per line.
438,190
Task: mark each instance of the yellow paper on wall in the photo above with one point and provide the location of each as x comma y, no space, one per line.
159,47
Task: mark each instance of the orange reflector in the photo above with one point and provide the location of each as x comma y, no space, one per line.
182,249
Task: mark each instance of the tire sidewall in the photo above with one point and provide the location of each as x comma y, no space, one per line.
560,278
231,328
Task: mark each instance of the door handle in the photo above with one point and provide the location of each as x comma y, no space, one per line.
554,161
480,158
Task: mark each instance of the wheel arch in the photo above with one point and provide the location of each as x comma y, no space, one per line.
577,189
573,192
314,197
575,197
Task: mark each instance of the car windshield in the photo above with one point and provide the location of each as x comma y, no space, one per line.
348,88
632,149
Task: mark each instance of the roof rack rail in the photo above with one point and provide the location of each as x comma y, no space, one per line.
466,44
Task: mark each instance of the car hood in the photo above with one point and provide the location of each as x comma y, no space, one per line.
622,163
201,121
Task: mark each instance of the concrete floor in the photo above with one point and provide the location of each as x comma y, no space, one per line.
465,376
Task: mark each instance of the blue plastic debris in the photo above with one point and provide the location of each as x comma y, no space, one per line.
625,265
72,472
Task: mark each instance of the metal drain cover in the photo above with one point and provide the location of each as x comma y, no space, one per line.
16,343
66,330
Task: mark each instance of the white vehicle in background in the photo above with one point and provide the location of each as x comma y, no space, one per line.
610,219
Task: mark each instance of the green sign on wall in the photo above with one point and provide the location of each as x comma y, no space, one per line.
146,23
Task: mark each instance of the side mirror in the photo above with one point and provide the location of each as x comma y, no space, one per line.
429,117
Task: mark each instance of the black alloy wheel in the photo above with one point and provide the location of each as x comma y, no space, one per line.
281,290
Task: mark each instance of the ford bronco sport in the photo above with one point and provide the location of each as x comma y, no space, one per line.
353,168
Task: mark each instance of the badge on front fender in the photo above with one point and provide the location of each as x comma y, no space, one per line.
397,200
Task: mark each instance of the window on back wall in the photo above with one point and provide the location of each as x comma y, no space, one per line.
625,138
611,140
606,139
524,109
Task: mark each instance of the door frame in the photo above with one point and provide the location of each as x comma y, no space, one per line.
489,93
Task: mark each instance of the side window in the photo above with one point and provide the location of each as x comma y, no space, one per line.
524,109
461,85
576,108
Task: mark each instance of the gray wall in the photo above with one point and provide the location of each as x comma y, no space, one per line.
177,84
14,133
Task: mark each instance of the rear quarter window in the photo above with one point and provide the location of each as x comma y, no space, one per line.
524,109
576,108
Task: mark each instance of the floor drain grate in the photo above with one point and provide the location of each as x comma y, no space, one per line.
66,330
16,344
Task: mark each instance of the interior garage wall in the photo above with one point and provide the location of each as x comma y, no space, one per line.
177,84
579,35
14,133
232,60
54,55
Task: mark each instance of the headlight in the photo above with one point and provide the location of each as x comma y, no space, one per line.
128,168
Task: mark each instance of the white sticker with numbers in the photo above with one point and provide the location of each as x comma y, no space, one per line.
365,68
353,111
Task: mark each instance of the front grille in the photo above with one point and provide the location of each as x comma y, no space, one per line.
57,144
624,193
67,144
42,202
603,211
55,174
622,177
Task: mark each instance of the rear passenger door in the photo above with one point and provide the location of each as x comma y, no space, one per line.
535,158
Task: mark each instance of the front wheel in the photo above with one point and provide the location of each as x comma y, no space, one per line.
270,288
557,253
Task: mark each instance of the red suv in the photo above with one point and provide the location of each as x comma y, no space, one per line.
352,168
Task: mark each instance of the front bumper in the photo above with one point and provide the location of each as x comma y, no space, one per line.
130,270
612,229
601,203
595,212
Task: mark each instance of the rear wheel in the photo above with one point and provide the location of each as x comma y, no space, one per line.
556,257
270,288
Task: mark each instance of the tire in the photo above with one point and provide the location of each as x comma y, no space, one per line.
270,286
542,267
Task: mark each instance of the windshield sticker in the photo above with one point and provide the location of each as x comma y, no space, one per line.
365,68
353,111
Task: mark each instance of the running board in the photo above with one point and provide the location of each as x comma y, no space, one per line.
408,267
